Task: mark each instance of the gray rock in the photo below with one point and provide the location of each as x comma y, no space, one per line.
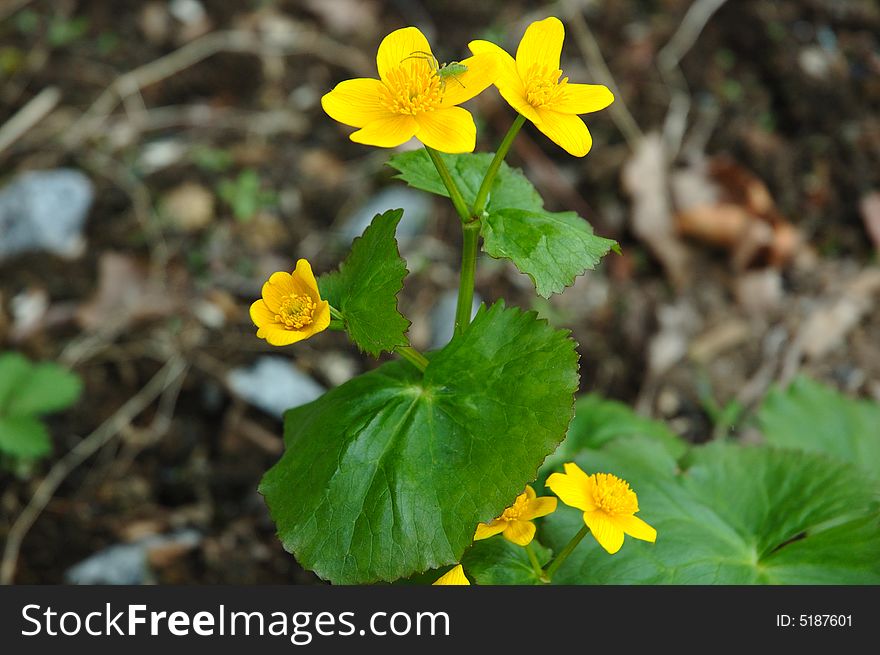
273,385
416,210
44,211
125,564
443,318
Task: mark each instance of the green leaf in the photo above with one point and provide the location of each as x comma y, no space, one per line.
810,416
496,561
14,369
45,389
551,248
24,437
366,285
390,473
510,189
737,515
598,421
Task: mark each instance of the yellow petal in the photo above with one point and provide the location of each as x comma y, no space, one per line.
530,493
447,130
387,132
399,45
320,319
261,314
540,507
278,285
583,98
454,576
520,532
508,81
567,131
606,532
486,530
482,71
356,102
279,336
636,527
541,45
572,487
306,279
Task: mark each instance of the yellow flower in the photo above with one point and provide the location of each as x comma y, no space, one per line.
607,502
515,523
291,308
534,86
454,576
412,97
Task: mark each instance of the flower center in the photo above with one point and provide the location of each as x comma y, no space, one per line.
543,85
513,512
296,311
413,88
613,495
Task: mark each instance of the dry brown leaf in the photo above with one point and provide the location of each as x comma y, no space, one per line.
645,179
126,294
190,206
828,326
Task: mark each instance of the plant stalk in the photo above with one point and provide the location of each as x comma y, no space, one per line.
486,186
454,192
469,244
565,552
536,566
413,356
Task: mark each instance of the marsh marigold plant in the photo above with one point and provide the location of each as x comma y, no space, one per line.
412,97
608,504
387,475
291,308
515,523
534,85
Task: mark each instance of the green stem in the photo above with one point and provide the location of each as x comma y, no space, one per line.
469,244
565,552
483,194
413,356
335,313
536,567
449,183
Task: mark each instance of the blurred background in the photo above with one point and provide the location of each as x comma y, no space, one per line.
159,159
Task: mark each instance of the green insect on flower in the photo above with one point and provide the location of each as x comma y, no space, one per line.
444,71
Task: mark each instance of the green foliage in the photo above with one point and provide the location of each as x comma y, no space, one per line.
245,194
28,391
390,473
724,513
497,561
735,515
212,160
810,416
365,287
64,31
598,421
551,248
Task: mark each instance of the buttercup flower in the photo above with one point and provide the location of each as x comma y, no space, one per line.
515,523
607,502
412,96
291,308
454,576
533,85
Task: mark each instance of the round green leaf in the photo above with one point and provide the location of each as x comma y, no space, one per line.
497,561
389,474
47,388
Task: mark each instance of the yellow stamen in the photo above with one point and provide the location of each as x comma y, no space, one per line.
543,85
614,496
516,510
296,311
413,88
